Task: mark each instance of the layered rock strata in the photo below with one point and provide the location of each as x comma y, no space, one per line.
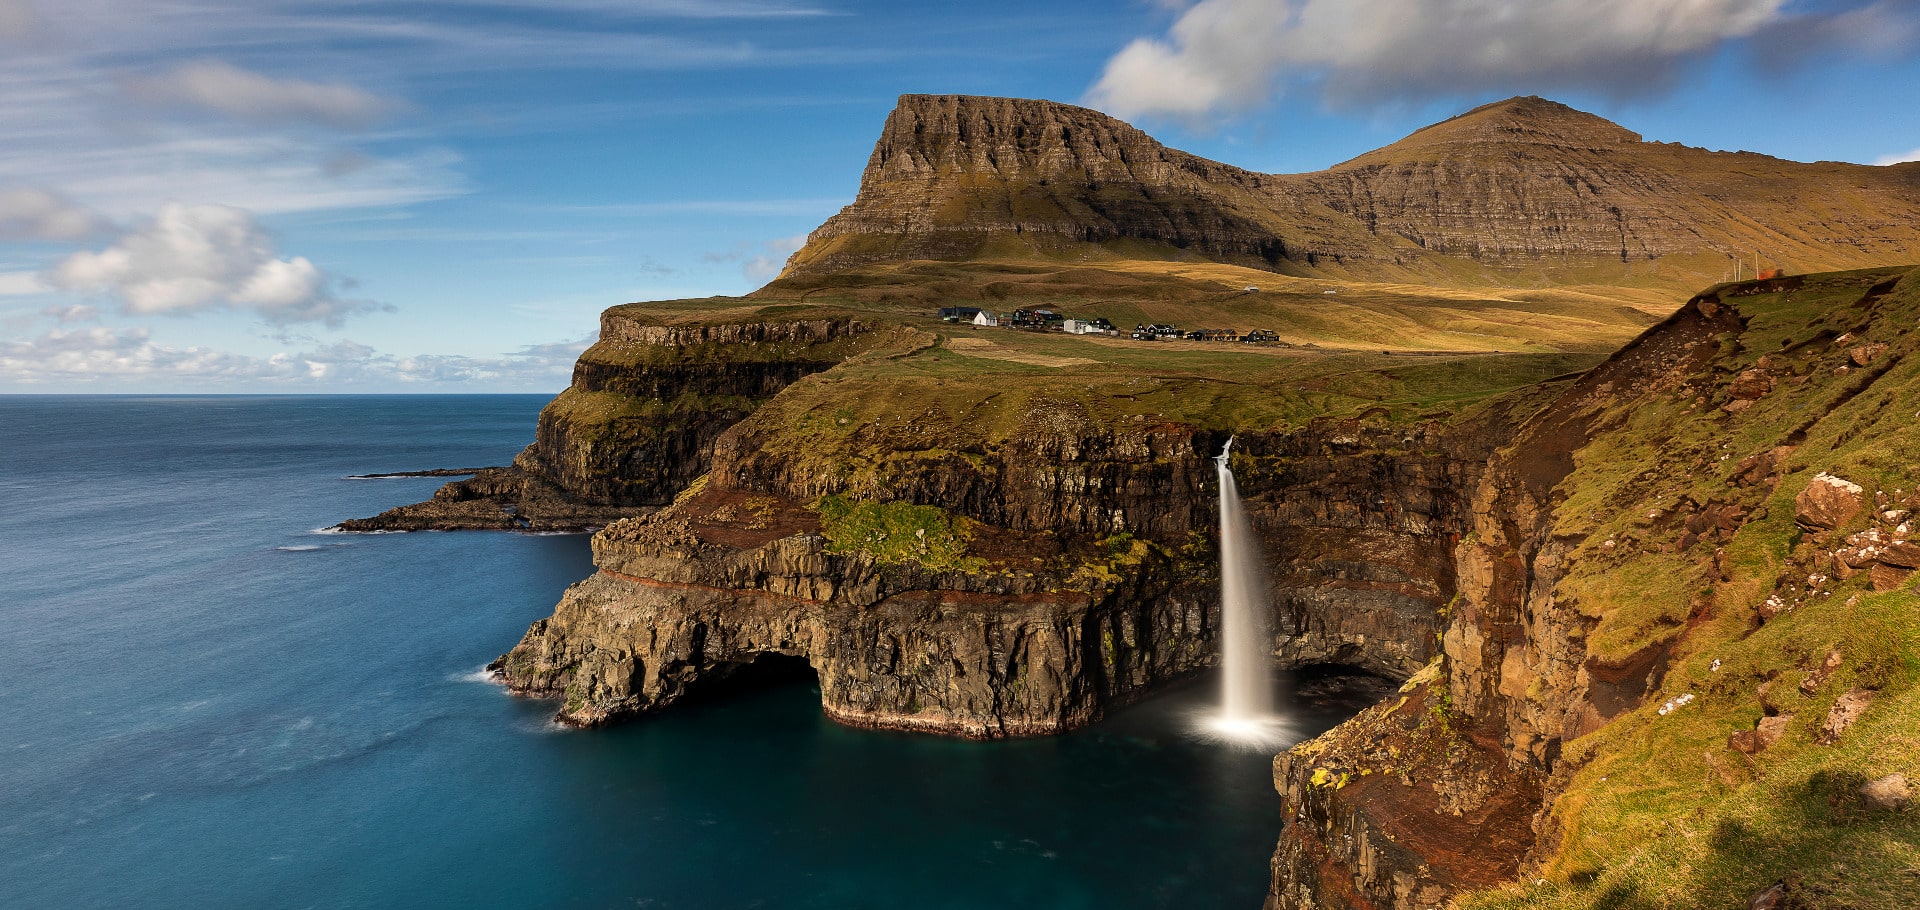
639,420
1520,191
1088,576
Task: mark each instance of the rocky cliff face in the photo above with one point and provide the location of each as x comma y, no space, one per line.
1629,560
1519,192
639,421
952,173
1082,578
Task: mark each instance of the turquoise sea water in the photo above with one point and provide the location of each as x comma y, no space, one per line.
205,704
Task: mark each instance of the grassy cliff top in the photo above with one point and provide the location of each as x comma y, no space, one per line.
1330,313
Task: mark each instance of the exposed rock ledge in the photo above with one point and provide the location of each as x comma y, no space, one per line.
977,654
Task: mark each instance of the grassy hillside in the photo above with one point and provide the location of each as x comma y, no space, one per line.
1658,811
1328,313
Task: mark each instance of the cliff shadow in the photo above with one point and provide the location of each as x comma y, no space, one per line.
723,680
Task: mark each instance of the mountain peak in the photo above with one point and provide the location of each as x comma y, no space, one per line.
1508,191
1527,120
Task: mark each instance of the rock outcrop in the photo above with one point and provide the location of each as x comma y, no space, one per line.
1599,597
1085,578
639,421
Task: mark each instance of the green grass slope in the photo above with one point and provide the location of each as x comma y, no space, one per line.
1657,810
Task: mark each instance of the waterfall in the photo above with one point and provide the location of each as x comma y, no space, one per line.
1245,641
1246,717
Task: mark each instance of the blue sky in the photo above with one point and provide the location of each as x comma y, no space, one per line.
348,195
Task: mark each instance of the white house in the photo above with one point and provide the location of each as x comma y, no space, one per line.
987,319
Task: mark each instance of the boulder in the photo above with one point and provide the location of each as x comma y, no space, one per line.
1751,384
1902,553
1891,793
1846,709
1866,353
1827,503
1771,729
1888,578
1766,733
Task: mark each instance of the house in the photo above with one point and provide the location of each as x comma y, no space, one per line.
1095,326
958,313
982,317
1259,336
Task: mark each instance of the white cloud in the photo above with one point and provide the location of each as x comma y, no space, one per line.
765,265
1227,54
35,214
98,351
252,97
71,313
1901,158
196,257
21,284
100,356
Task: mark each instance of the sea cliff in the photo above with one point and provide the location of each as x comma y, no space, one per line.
1650,609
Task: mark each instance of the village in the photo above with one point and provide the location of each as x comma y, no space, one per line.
1043,320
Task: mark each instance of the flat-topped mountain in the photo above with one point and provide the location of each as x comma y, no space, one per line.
1524,191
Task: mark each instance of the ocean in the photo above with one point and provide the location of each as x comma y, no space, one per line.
206,703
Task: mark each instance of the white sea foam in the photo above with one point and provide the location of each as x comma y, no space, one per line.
546,727
299,548
482,675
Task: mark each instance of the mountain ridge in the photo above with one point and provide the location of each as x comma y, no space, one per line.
1520,192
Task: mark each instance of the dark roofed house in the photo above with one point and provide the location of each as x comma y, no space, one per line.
958,313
